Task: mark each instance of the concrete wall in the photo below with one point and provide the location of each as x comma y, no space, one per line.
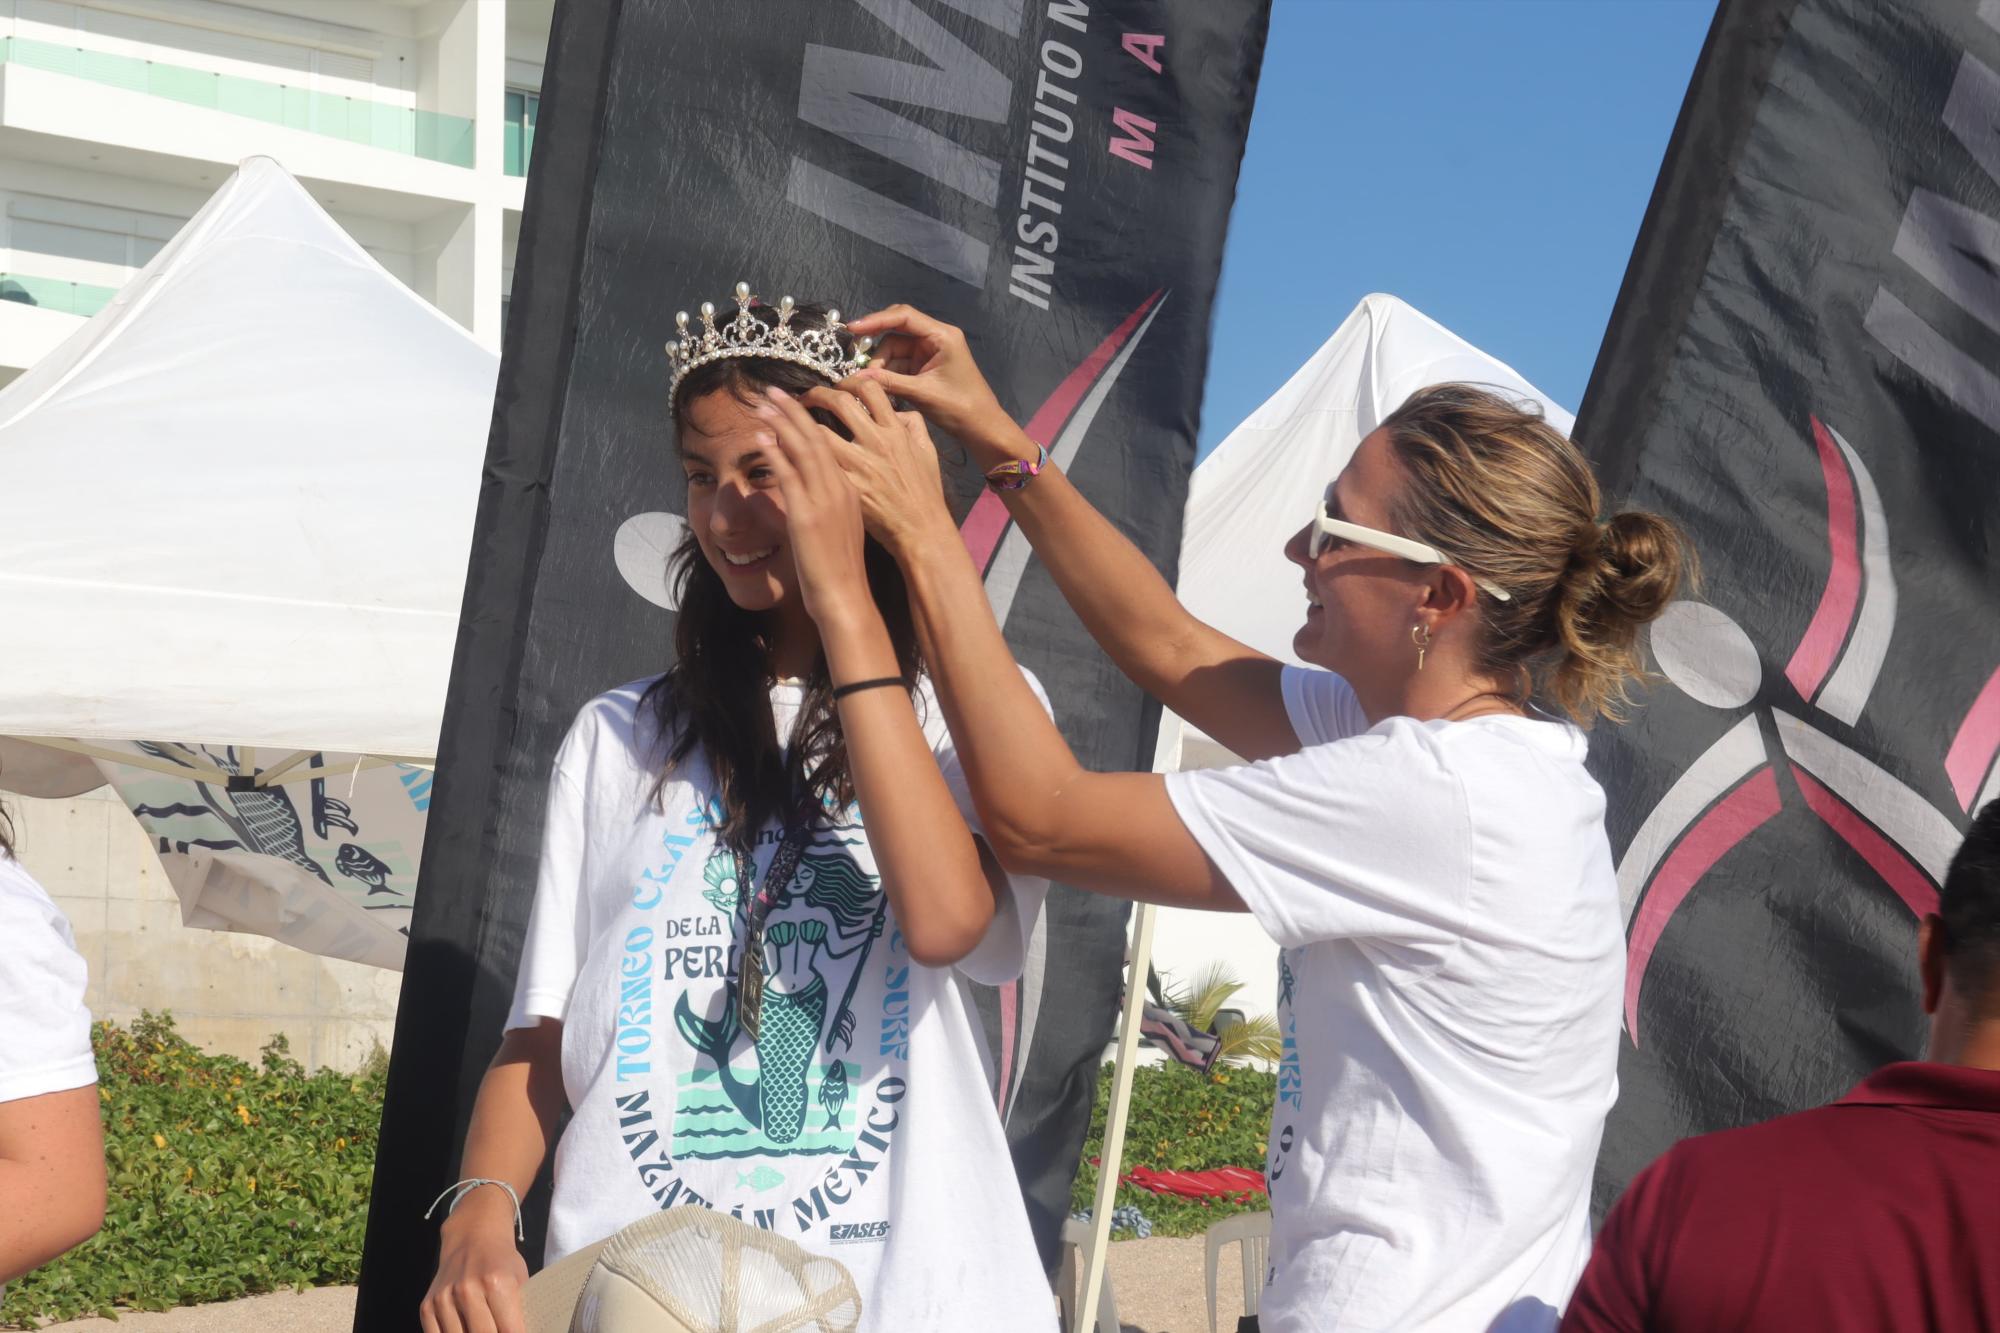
227,992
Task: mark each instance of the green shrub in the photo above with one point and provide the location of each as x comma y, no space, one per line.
225,1179
229,1179
1183,1121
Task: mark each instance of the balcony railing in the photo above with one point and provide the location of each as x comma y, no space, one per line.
426,134
522,108
70,298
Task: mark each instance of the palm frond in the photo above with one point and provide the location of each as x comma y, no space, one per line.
1252,1039
1198,1001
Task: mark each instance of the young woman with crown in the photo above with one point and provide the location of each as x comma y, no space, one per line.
761,879
1421,837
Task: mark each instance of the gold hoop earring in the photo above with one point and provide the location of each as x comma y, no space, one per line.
1420,634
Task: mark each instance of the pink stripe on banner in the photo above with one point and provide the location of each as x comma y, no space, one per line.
987,522
1978,739
984,527
1010,1022
1820,648
1886,859
1726,823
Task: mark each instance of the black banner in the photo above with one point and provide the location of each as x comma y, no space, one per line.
1055,177
1799,369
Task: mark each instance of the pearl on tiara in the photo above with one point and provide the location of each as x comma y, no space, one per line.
744,335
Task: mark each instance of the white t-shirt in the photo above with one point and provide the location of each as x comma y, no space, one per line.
860,1125
44,1027
1450,966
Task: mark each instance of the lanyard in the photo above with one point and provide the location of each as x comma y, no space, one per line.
756,907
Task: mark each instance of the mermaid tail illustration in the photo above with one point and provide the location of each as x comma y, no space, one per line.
800,1024
713,1037
786,1041
775,1101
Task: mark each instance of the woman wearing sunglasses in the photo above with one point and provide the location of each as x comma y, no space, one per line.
1420,836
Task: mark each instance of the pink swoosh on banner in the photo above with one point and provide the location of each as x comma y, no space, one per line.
982,530
987,522
1886,859
1820,648
1972,750
1010,1022
1727,823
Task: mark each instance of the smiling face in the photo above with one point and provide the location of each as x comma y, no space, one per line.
1361,604
735,509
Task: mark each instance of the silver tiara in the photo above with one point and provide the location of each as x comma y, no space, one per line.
816,348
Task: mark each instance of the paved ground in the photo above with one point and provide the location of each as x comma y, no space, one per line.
1157,1284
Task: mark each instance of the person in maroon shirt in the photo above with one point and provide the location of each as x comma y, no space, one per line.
1881,1211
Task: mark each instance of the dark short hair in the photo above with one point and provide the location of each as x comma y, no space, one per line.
1970,908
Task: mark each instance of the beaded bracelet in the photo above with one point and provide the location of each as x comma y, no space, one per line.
1015,473
464,1187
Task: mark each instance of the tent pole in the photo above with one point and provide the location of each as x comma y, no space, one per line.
361,765
199,773
1137,960
278,770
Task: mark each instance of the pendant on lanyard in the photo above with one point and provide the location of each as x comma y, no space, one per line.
756,907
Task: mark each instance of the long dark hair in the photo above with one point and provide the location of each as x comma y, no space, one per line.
716,696
6,833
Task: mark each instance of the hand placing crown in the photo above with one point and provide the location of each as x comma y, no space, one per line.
820,347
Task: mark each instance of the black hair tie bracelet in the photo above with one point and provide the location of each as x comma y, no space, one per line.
842,691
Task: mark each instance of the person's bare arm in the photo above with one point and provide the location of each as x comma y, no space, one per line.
480,1272
51,1177
943,893
1042,812
1227,688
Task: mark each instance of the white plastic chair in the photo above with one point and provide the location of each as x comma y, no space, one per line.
1254,1231
1075,1240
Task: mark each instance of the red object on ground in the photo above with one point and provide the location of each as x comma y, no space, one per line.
1235,1183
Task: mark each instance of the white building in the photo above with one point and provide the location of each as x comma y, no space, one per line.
410,122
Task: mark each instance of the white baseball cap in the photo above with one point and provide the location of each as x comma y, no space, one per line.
691,1270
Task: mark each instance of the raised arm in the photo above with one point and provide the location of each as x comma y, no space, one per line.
1226,688
1042,811
944,892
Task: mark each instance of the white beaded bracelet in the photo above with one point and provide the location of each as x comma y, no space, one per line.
465,1187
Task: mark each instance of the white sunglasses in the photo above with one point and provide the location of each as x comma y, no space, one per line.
1325,528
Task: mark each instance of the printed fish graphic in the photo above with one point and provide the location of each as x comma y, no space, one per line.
264,820
359,863
762,1178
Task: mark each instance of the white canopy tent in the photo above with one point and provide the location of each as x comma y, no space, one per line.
235,511
1250,494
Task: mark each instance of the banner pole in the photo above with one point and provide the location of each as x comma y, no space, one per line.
1137,960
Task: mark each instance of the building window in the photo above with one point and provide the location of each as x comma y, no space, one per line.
522,106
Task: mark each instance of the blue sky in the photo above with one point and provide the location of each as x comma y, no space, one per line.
1488,161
